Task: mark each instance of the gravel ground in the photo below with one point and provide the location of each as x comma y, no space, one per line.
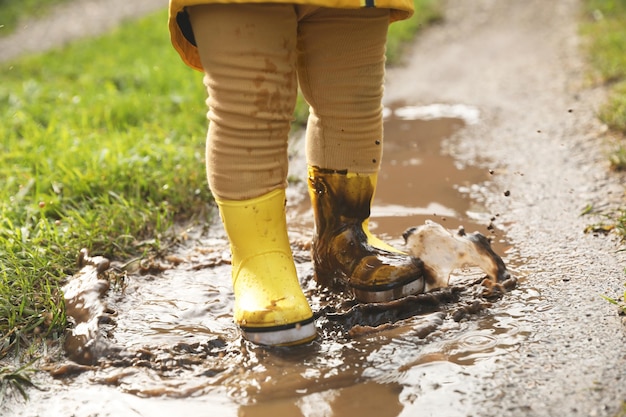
520,63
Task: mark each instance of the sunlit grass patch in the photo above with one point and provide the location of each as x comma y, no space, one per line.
103,148
613,113
605,32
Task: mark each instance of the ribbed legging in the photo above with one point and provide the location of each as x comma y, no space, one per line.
255,56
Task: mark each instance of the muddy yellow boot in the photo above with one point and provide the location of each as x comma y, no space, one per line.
270,308
345,252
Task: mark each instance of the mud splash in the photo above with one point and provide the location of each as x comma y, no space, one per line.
85,310
175,345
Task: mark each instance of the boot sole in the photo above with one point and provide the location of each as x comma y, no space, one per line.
284,335
373,295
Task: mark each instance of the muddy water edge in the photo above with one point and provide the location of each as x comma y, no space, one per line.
168,341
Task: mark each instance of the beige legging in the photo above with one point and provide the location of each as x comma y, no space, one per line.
254,57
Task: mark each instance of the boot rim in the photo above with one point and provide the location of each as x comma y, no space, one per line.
278,327
281,335
387,286
369,295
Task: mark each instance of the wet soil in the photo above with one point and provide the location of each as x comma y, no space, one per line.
489,125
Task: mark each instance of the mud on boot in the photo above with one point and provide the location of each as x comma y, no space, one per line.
344,252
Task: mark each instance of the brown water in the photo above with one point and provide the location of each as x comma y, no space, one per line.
419,181
173,347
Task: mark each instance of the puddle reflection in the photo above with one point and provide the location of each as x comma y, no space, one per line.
417,182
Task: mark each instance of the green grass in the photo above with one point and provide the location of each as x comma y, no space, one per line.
605,27
12,11
15,380
102,147
620,304
605,30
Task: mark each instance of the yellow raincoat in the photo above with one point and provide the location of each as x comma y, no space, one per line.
179,24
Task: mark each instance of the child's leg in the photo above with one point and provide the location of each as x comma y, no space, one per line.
341,66
248,54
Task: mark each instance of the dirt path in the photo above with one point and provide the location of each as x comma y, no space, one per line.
76,19
552,347
519,63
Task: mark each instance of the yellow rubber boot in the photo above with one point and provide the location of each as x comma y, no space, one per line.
345,252
270,307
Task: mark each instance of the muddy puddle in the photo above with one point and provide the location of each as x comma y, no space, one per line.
168,345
